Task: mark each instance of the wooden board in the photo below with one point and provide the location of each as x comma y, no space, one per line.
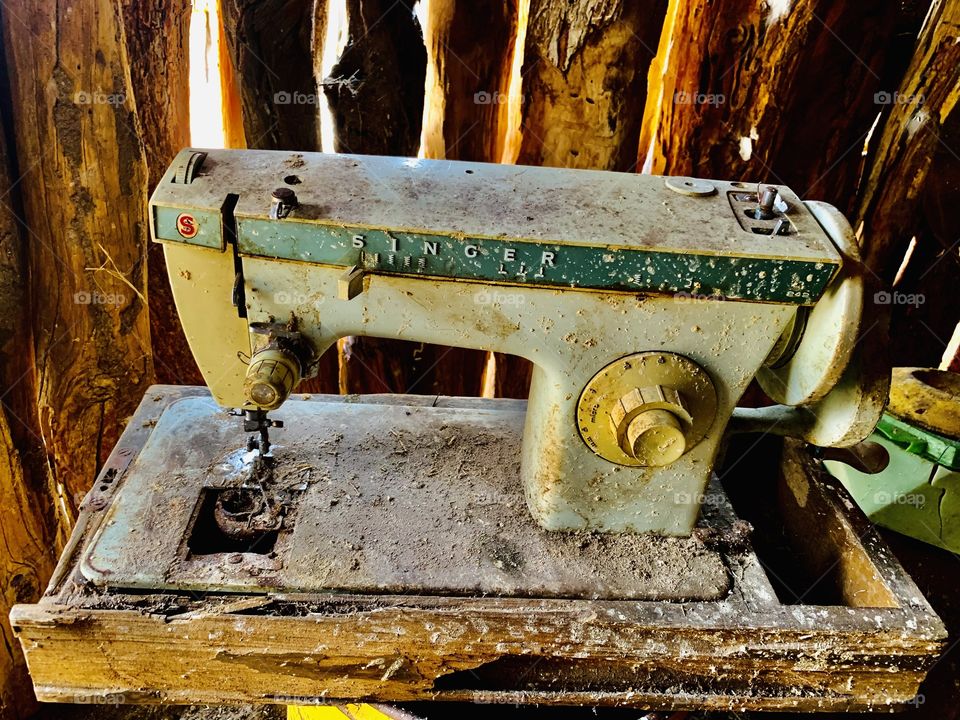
868,647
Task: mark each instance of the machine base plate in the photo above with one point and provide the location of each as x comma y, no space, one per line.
370,496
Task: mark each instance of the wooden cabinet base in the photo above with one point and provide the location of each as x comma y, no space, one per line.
866,645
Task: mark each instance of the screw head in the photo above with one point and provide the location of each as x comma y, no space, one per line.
284,195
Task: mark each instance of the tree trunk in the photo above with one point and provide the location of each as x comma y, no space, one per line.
84,187
470,48
26,562
470,51
922,111
28,514
376,96
271,44
747,91
231,105
584,81
376,88
271,68
157,35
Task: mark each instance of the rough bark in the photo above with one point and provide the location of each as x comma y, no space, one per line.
271,45
584,81
376,96
913,135
157,35
470,50
83,186
29,532
26,562
231,104
745,90
583,92
376,88
924,316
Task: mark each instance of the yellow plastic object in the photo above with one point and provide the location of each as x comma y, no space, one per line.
927,398
351,711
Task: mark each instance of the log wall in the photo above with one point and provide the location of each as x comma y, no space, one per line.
851,103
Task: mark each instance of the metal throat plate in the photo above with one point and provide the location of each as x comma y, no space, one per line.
377,497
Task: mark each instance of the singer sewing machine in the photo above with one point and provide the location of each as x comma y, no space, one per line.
578,547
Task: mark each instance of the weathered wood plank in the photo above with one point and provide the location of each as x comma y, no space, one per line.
306,648
29,529
83,189
270,74
584,81
470,49
376,95
411,653
469,55
271,45
925,108
761,92
157,35
583,90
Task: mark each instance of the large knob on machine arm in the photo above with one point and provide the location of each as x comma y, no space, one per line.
647,409
649,424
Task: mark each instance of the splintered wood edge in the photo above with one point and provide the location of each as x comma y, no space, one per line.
82,643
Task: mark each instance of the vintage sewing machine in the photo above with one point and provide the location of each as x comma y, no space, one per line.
646,306
474,537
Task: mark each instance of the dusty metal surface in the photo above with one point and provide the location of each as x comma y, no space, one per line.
367,497
600,267
502,223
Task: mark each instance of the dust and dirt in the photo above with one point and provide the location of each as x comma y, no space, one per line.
389,498
445,507
90,711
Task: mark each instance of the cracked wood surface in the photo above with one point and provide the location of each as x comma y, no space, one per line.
923,113
157,36
869,649
748,91
28,513
83,189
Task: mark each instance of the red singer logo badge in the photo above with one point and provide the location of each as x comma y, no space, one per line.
187,225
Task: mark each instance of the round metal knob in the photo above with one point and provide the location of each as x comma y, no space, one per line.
654,437
271,377
649,424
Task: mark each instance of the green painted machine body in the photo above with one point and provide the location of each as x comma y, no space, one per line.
580,272
505,224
